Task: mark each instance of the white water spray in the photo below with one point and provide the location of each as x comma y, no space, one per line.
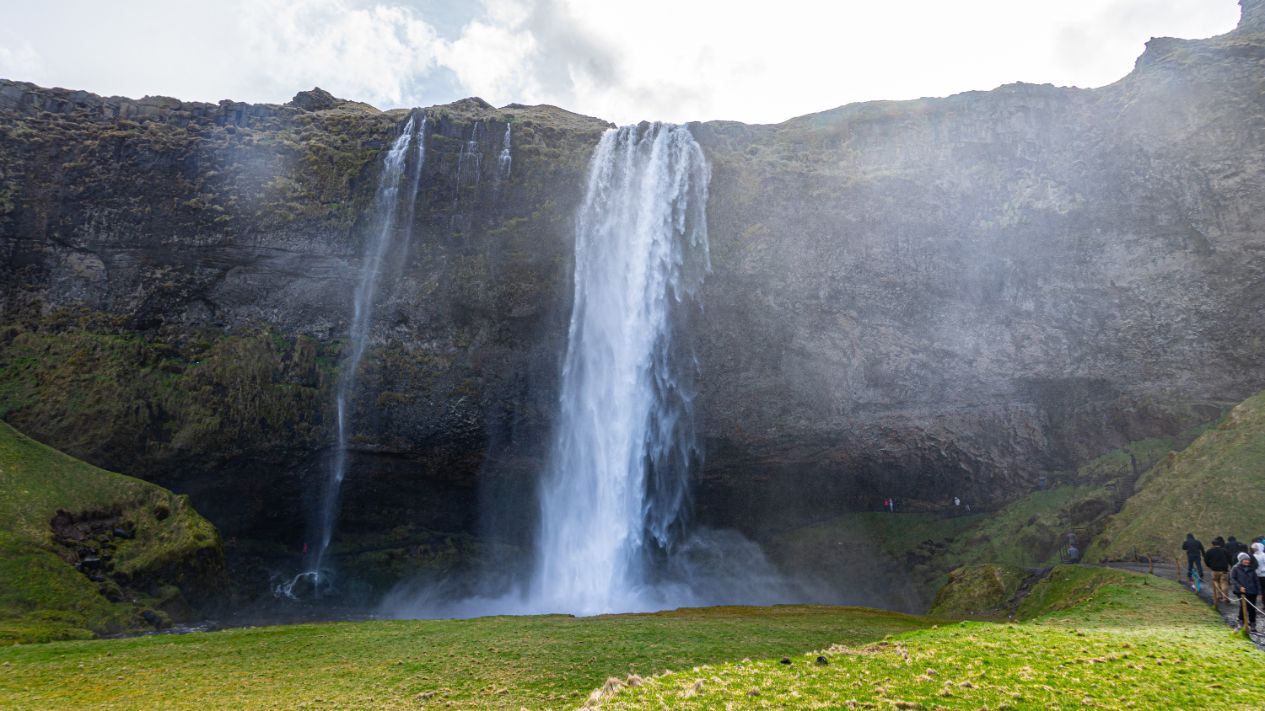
615,487
385,238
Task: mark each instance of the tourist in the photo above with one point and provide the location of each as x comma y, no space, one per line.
1258,554
1194,556
1235,547
1247,585
1219,561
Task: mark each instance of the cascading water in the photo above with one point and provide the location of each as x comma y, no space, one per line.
614,494
393,229
614,491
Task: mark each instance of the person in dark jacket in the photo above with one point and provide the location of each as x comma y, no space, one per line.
1235,547
1219,561
1194,555
1246,585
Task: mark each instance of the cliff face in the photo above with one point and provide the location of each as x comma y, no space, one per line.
912,299
177,288
978,289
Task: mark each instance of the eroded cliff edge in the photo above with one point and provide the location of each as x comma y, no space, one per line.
922,299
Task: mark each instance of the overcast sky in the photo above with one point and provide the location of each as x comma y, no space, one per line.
673,60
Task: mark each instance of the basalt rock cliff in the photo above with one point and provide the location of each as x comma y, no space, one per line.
919,299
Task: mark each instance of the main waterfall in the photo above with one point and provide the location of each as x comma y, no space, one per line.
614,531
614,492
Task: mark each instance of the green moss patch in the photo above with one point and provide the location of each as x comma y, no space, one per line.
141,549
137,400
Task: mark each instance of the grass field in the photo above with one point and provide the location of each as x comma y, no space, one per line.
1090,638
1085,637
498,662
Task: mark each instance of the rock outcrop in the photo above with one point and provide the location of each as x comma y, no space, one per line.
915,299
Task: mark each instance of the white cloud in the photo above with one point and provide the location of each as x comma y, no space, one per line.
676,60
20,61
373,53
492,62
651,59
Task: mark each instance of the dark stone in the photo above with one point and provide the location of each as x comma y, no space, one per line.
315,100
822,661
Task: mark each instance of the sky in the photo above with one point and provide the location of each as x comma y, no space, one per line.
671,60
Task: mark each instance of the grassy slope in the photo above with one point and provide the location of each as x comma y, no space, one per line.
41,596
1211,488
1030,532
499,662
1093,637
1027,533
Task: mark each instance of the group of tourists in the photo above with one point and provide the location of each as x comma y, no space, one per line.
1238,572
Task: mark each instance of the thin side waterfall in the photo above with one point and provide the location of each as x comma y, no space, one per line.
504,159
470,153
385,238
614,494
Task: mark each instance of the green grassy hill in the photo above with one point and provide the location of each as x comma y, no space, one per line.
1212,487
151,553
1090,637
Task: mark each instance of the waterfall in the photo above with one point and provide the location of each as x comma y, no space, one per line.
470,153
614,532
505,159
614,493
391,232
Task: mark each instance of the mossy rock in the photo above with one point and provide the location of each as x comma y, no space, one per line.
979,591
